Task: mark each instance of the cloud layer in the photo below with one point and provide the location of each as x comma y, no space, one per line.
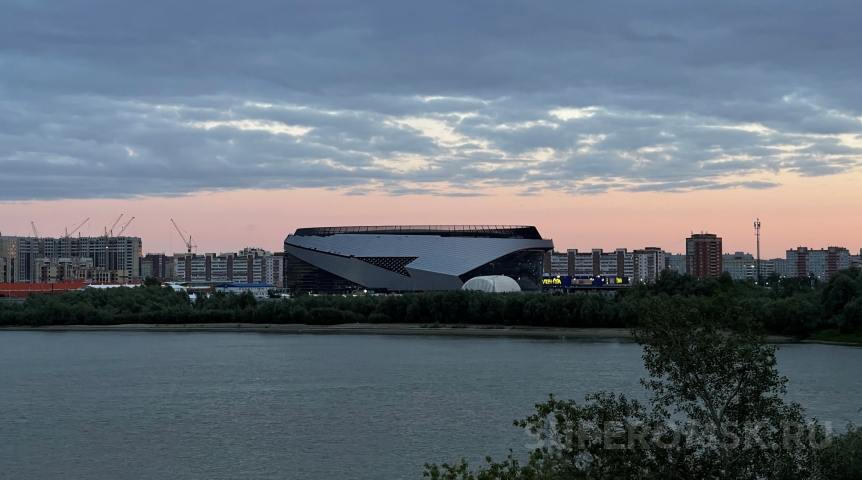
100,99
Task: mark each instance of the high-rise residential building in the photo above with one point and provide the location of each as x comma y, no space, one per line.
619,263
642,265
556,263
741,266
250,265
648,264
103,259
703,255
822,264
581,263
774,266
158,266
8,256
856,260
675,262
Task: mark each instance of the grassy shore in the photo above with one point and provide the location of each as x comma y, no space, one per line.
834,336
467,330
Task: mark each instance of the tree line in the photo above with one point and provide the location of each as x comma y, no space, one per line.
789,306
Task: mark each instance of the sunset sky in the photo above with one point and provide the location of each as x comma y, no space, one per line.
623,124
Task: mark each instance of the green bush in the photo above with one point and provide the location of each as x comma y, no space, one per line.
842,459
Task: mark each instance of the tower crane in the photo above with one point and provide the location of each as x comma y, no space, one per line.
190,243
109,231
39,242
66,245
67,233
124,226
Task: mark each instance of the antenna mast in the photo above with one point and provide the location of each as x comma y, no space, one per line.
757,234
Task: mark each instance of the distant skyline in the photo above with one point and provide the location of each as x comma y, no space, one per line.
229,221
624,124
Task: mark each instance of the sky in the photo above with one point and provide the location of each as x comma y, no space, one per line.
605,124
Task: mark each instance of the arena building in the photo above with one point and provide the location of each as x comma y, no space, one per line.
411,258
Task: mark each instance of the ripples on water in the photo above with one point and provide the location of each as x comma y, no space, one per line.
106,405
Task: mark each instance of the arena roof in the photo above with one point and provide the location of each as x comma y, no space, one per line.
475,231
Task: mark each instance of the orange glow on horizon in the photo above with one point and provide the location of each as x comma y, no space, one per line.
813,212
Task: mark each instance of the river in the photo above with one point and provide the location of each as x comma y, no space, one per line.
106,405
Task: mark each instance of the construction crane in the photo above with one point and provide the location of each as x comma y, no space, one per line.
108,235
123,226
67,233
39,242
190,243
109,231
66,246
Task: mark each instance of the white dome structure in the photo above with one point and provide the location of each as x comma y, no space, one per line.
492,284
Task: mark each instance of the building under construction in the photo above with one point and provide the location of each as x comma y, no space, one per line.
103,259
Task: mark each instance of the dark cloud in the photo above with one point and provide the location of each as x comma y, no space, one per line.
111,99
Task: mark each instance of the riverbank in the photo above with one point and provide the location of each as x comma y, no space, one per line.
370,329
834,337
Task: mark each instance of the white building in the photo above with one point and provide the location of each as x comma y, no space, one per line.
582,263
740,265
559,263
259,290
648,264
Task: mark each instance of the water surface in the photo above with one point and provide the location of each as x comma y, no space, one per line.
106,405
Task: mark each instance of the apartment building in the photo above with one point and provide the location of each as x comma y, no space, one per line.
8,255
822,264
740,265
644,265
158,266
703,255
250,265
619,263
647,264
774,266
556,263
675,262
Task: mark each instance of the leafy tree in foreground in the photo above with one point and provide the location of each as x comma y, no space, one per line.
708,368
842,460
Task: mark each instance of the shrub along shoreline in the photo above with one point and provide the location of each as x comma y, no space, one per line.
793,307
